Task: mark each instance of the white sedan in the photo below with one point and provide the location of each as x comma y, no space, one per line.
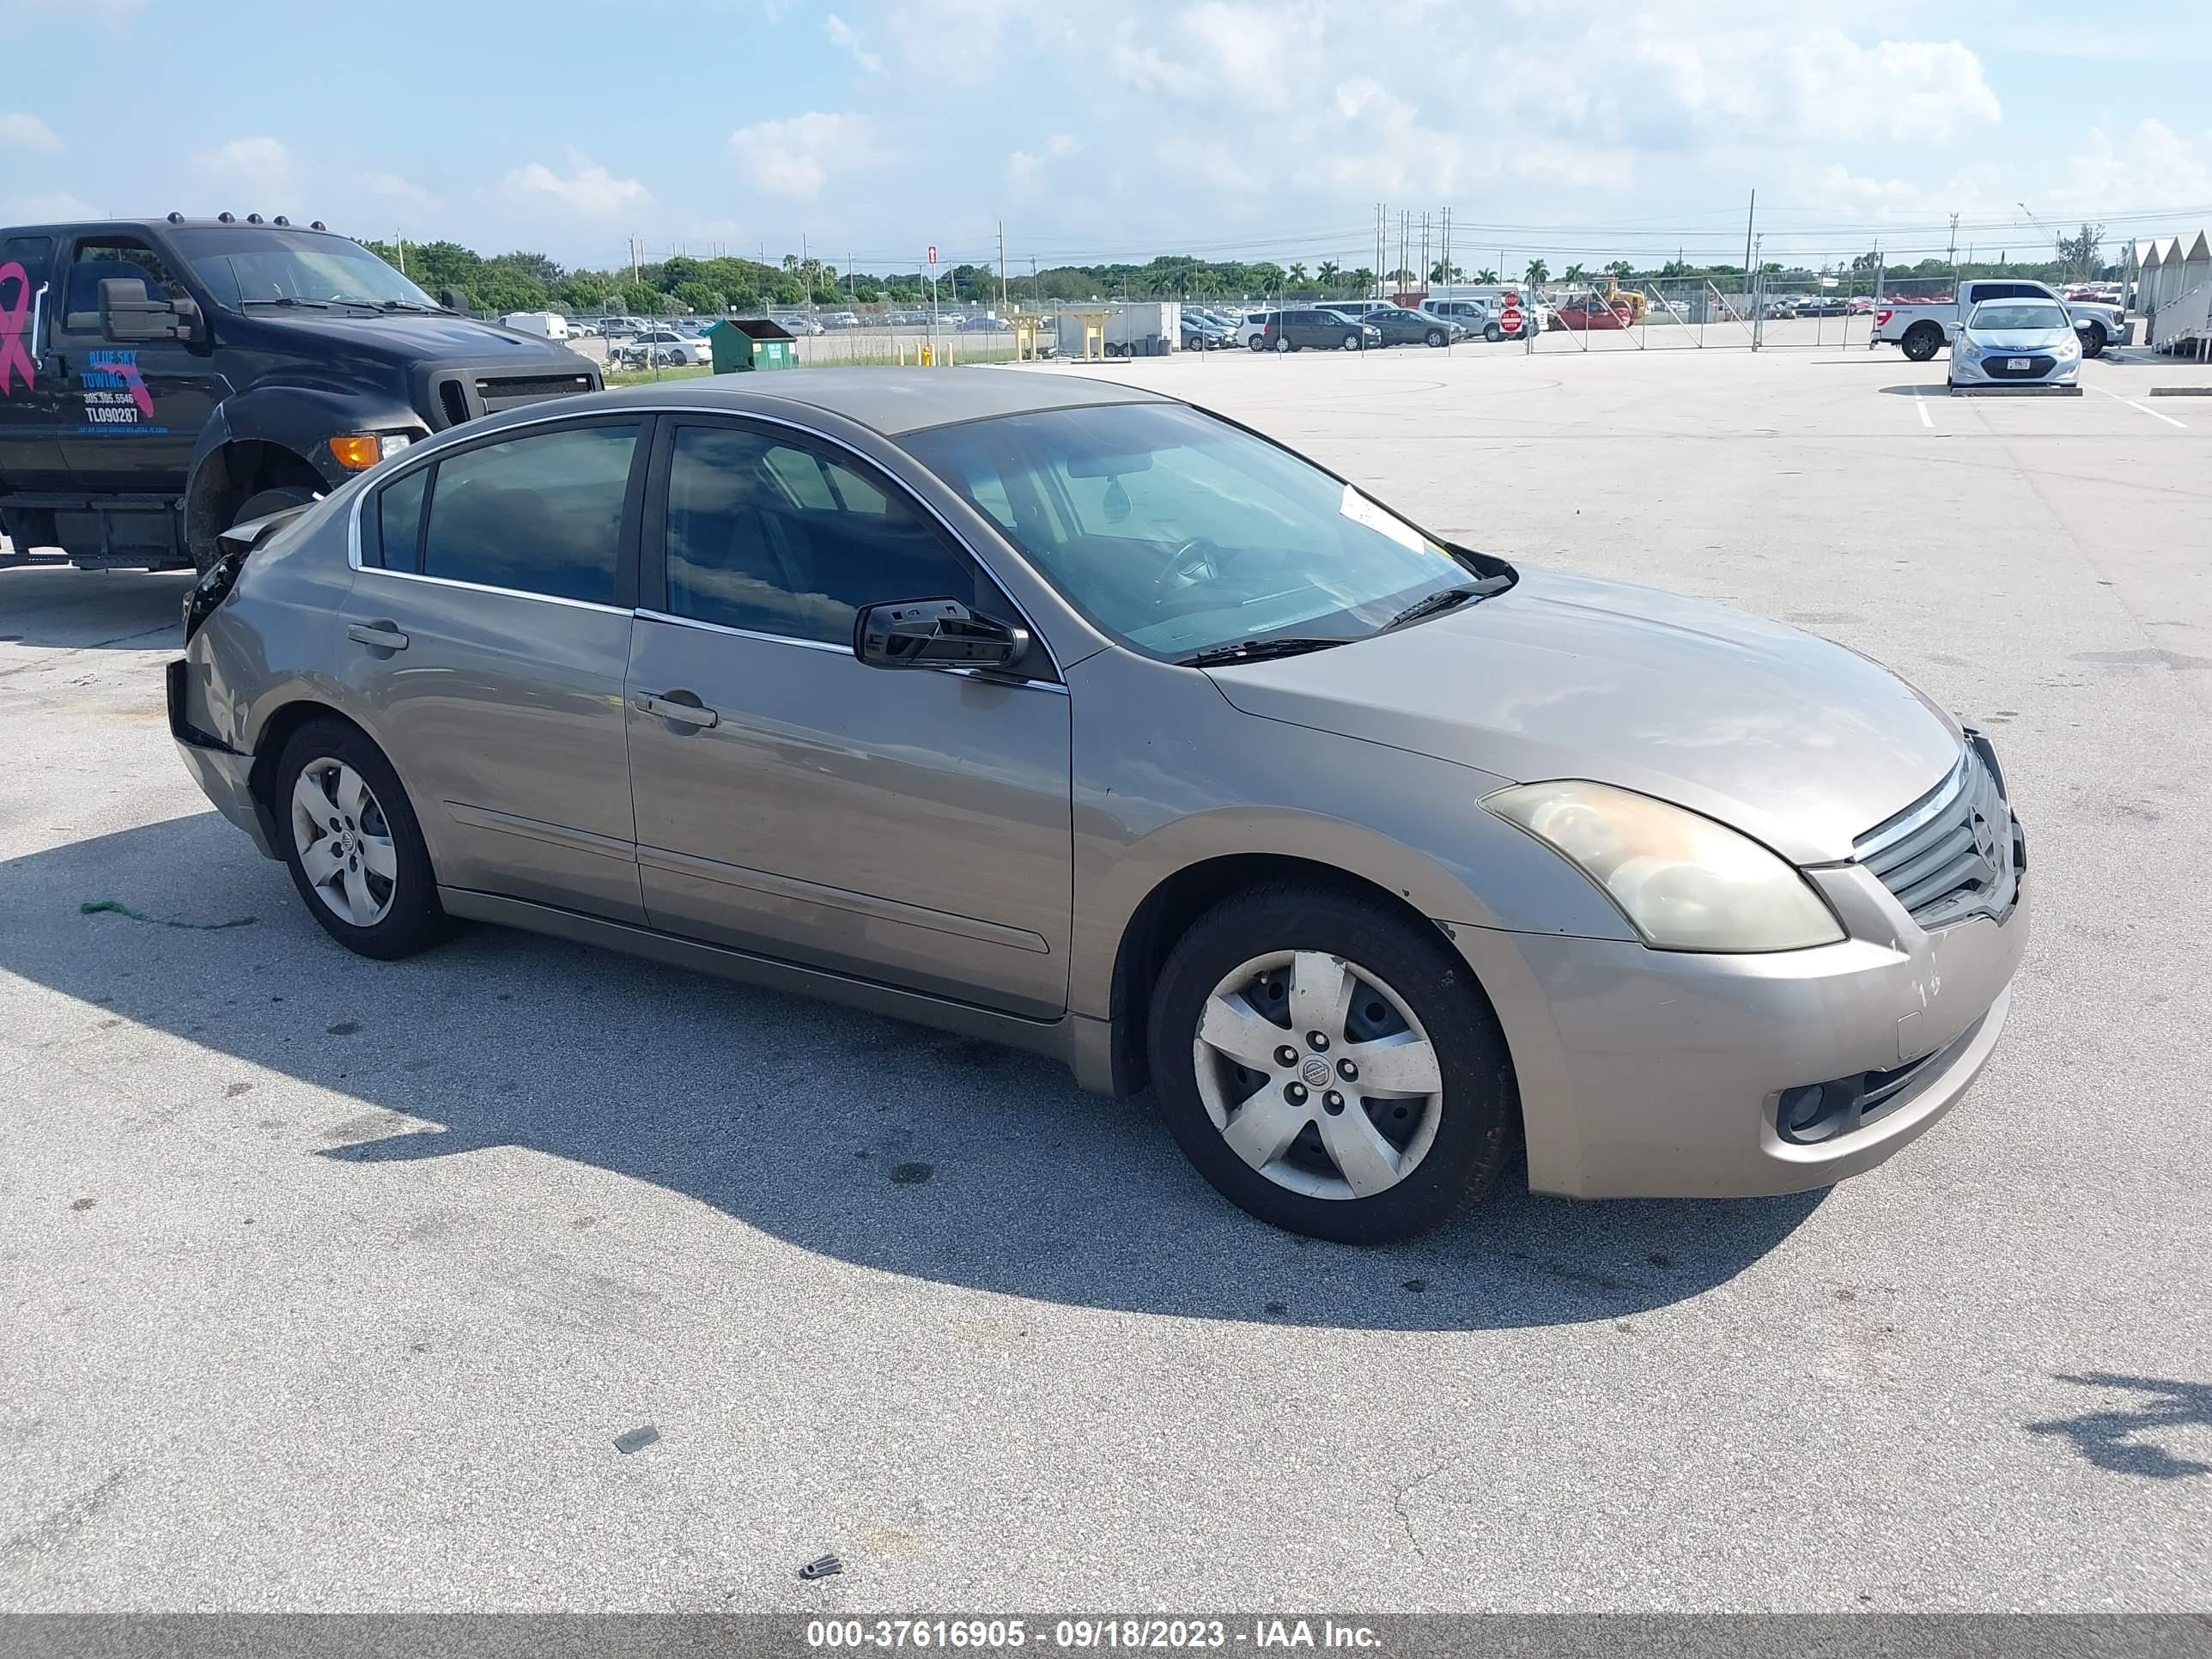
664,346
2024,342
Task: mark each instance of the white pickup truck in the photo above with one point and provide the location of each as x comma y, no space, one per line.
1923,330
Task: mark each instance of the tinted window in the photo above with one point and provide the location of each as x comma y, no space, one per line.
398,520
769,533
101,259
542,514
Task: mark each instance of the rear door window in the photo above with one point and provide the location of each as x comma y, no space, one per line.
539,514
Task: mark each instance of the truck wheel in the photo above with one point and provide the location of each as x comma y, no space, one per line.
30,527
1492,332
1921,341
2095,340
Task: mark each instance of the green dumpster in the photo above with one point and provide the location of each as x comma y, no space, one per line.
740,343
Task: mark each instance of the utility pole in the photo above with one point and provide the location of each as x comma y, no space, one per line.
1002,264
401,237
1425,251
1405,234
1382,257
633,262
1035,299
1954,251
1750,214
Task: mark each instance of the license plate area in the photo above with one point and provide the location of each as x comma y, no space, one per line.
2017,365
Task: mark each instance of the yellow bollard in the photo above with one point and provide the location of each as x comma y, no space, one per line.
924,353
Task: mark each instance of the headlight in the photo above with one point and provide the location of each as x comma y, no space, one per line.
2069,347
1684,881
1966,348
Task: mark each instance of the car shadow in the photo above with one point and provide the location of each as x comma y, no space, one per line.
61,608
862,1139
2118,1440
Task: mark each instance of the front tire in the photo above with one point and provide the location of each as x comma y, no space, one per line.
2095,340
1435,337
1492,332
1352,342
350,838
1921,342
1329,1066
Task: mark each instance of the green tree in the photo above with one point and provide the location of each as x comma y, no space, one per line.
1574,273
2083,253
1537,274
584,290
1622,270
536,268
699,298
1297,275
640,300
1486,276
1326,273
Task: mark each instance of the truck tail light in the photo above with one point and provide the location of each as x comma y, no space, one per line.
1882,318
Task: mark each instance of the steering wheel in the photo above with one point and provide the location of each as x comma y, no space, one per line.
1191,563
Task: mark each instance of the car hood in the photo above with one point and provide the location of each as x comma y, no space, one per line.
1798,741
411,337
2020,339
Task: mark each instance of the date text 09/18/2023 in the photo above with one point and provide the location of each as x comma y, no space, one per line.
989,1635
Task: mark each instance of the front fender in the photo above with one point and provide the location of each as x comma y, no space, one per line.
301,419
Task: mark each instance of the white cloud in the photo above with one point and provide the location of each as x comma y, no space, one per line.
1026,168
24,130
587,190
47,208
260,163
846,38
391,188
796,157
2155,167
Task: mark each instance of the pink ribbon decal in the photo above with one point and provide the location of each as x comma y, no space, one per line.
15,326
128,374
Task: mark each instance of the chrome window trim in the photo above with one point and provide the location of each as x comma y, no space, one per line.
1056,687
486,588
707,416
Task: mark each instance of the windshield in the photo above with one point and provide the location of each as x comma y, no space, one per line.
2018,314
252,265
1177,532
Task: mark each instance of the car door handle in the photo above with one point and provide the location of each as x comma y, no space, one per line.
381,634
671,708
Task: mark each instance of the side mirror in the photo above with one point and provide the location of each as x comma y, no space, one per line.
128,314
935,633
455,300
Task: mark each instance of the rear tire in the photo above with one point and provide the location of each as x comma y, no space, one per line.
30,527
1381,987
1921,342
341,812
1258,343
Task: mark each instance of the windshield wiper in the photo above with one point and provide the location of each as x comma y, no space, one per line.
1254,651
403,304
290,299
1444,598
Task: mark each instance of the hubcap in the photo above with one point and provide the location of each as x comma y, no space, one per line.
345,843
1318,1075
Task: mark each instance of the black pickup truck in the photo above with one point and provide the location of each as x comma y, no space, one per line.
163,380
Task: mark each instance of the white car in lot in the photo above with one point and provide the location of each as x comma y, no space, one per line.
2016,342
668,347
1921,328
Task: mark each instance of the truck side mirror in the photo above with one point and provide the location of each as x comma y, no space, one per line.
455,300
128,313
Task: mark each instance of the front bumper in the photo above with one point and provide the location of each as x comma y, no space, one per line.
224,775
1972,372
1658,1074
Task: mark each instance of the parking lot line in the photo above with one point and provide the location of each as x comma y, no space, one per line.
1920,403
2146,409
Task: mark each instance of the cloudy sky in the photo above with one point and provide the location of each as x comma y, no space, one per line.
1120,128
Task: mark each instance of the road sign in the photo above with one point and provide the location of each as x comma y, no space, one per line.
1510,318
932,256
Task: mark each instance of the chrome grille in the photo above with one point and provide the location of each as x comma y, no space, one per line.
1950,853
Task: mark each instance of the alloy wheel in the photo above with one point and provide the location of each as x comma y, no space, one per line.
1318,1074
345,843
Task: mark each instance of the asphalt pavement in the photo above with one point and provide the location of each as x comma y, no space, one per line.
337,1285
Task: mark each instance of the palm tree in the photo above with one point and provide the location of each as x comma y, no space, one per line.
1622,268
1574,273
1297,275
1486,275
1326,274
1538,273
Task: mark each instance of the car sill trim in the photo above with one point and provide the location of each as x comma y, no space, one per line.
559,834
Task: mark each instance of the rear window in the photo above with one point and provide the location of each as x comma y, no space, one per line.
541,514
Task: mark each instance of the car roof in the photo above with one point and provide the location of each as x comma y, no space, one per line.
890,401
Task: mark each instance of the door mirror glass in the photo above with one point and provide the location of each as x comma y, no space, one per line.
932,634
128,313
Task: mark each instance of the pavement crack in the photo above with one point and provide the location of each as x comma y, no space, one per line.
57,1524
1399,1494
